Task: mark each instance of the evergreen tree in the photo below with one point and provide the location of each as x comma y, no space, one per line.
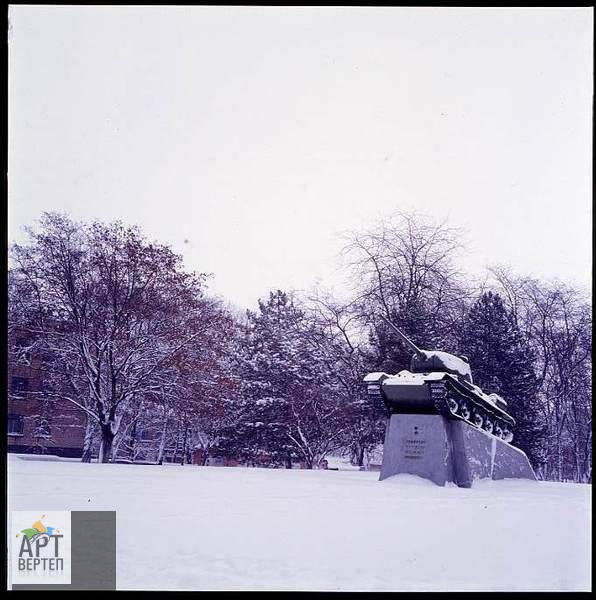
291,408
502,362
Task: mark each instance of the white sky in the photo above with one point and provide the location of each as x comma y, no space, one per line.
260,134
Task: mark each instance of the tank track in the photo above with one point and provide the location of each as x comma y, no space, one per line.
452,404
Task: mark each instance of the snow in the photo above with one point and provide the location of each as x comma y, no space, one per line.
493,453
408,378
375,376
215,528
449,361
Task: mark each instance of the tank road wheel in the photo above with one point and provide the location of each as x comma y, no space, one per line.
452,404
464,411
507,434
477,419
498,431
488,425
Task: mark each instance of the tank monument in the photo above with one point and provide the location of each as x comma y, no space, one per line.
443,427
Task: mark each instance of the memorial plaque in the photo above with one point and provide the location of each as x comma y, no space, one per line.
443,450
419,445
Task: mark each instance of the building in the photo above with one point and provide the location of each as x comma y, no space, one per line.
38,424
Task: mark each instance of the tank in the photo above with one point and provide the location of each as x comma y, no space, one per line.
441,383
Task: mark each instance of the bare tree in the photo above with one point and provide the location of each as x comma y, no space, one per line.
406,269
111,311
557,321
343,340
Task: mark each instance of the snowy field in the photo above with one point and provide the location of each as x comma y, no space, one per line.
210,528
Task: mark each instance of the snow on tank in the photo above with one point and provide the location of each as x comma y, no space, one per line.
439,382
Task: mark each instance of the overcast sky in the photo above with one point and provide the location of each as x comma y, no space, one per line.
250,138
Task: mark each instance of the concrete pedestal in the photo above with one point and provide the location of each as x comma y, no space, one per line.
445,450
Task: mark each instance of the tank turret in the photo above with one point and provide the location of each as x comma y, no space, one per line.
427,361
439,382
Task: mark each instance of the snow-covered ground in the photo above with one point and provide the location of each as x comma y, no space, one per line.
212,528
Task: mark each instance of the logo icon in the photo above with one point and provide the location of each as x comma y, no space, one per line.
41,552
38,531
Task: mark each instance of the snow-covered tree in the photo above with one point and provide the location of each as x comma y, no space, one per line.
110,310
556,319
503,362
342,341
405,269
291,405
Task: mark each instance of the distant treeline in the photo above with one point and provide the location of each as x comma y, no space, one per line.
158,366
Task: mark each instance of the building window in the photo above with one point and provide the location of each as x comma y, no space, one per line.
19,386
16,425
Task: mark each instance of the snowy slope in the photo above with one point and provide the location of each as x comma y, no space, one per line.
215,528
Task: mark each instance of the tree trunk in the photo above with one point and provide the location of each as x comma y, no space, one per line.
177,445
361,456
288,460
162,443
184,446
588,460
133,441
107,441
204,457
89,438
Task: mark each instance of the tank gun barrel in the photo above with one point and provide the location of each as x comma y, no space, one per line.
407,341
